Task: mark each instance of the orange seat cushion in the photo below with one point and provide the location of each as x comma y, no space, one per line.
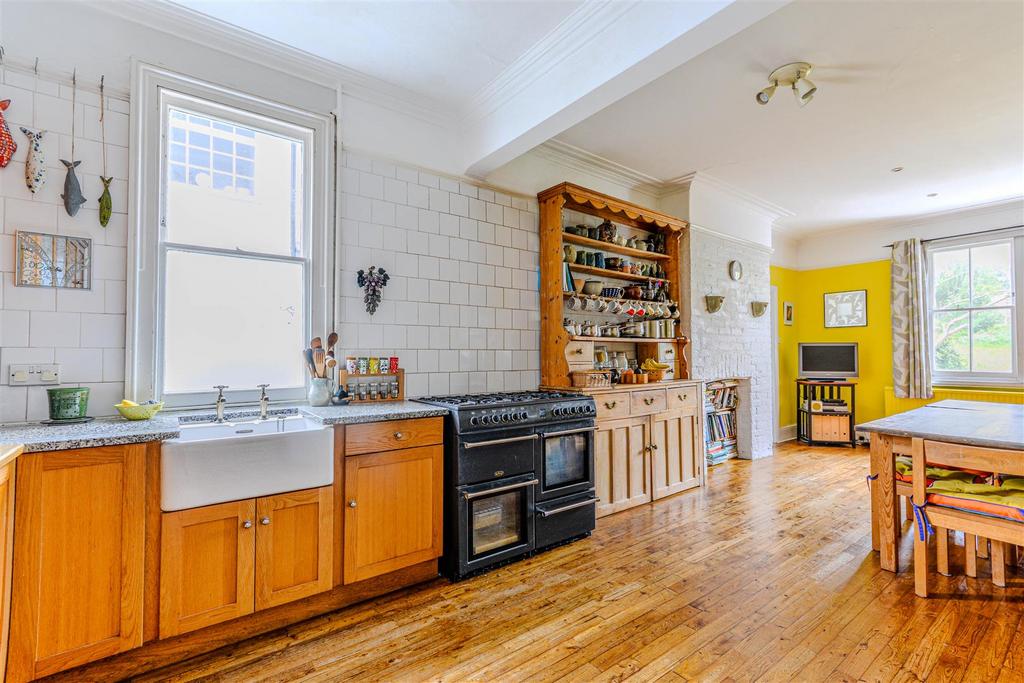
905,473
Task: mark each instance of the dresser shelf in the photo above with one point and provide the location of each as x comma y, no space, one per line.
612,247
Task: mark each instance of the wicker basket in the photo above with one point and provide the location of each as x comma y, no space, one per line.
591,379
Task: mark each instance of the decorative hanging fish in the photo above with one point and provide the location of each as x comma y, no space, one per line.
7,144
35,162
106,204
72,196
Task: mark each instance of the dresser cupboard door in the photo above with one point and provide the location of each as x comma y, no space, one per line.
293,545
675,453
621,464
392,510
206,565
78,578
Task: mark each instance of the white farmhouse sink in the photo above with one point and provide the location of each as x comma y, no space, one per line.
216,463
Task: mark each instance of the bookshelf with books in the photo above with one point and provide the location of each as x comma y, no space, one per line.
720,400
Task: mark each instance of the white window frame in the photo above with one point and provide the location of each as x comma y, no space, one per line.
1015,378
153,91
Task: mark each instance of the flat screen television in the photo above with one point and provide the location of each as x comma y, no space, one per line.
836,360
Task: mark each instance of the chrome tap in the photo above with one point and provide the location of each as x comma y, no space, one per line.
221,401
264,400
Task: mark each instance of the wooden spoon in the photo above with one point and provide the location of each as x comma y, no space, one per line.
315,343
332,339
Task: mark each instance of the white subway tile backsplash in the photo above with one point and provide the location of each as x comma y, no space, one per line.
54,329
102,330
80,365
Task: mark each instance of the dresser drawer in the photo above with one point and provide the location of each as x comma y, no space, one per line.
666,352
374,437
649,401
682,398
612,406
580,352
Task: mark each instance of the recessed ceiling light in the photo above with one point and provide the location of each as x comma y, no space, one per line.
932,194
897,169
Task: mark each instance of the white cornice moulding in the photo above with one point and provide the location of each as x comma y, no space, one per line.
182,22
574,32
752,201
750,244
577,159
983,209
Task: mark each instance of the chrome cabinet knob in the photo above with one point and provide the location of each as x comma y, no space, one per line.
399,435
265,521
247,524
351,503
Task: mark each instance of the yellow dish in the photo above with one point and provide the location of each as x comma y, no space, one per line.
139,412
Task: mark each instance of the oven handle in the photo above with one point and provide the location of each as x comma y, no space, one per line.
548,513
495,442
500,489
569,431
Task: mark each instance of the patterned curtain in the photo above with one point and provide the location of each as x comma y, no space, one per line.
911,366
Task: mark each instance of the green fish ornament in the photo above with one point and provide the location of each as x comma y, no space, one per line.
106,205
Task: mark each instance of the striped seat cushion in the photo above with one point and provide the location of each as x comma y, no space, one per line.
1006,502
905,473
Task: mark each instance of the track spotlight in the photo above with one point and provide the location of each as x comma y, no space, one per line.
766,94
804,90
793,75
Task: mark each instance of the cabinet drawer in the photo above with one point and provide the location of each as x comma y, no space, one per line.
650,401
612,406
666,352
580,352
374,437
682,398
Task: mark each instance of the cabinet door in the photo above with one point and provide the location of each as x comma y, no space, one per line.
6,554
392,510
206,565
78,574
293,545
675,453
621,464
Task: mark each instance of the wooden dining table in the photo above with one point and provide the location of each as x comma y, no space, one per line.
997,426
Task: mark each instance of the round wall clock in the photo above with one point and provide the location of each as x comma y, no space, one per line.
735,270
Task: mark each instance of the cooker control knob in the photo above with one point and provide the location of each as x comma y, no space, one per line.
523,415
474,420
577,410
485,419
505,417
559,412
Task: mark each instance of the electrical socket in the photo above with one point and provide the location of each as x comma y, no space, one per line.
33,374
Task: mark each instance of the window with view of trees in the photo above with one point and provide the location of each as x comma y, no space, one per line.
975,324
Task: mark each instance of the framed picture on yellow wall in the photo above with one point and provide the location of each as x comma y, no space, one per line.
787,312
846,309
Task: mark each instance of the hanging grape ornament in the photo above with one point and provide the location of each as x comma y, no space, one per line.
373,281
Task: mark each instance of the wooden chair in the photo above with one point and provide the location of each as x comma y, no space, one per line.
1001,532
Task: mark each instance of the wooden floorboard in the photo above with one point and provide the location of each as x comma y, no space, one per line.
766,574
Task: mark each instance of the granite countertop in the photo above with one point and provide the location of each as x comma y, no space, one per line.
973,423
111,431
372,412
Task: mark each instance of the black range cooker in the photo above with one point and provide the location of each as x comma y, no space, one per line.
519,475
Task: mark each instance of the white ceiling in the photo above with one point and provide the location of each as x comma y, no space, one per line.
934,87
445,49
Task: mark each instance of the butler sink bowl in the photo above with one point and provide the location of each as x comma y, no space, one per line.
216,463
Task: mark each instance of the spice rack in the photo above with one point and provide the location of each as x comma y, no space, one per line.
365,379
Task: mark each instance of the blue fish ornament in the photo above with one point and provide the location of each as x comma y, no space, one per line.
73,198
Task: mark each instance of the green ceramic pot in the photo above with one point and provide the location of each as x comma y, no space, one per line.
70,403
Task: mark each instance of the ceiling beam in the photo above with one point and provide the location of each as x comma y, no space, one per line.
601,53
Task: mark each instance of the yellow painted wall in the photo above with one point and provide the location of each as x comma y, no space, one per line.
806,289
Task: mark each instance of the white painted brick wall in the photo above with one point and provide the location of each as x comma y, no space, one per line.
461,309
732,342
83,331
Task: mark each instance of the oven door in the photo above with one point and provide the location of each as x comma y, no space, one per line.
495,521
566,460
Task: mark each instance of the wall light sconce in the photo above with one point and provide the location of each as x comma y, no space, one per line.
714,302
758,308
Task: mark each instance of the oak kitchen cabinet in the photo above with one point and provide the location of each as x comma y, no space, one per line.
78,558
393,498
8,469
224,561
649,444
